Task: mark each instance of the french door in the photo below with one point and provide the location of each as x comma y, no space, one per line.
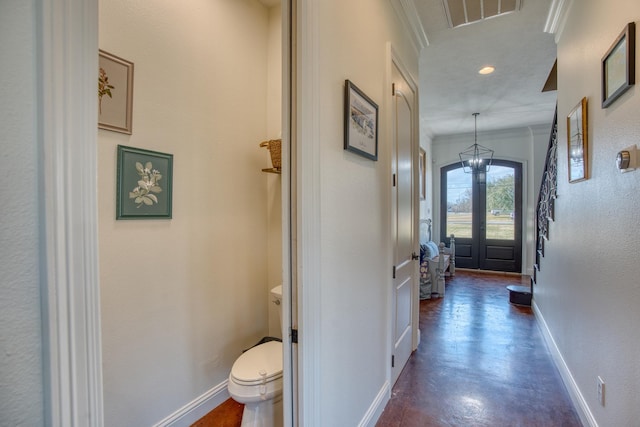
483,210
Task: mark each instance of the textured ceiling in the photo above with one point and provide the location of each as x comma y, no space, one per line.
451,88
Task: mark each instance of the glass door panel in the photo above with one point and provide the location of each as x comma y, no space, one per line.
501,202
459,204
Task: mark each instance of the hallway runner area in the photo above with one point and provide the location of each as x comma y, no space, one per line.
481,362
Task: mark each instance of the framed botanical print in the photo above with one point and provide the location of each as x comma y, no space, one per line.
115,93
144,184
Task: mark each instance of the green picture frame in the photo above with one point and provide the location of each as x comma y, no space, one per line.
144,184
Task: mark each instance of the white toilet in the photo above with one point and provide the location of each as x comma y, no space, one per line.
256,380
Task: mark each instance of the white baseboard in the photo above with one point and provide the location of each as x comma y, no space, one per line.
376,408
198,408
579,402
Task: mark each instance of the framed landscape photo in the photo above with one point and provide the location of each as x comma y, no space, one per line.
144,184
360,122
619,66
577,140
115,93
422,170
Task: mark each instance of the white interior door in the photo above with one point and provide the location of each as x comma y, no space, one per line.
405,269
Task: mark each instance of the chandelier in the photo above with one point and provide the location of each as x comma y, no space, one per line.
476,157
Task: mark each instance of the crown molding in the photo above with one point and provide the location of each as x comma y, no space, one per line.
408,14
557,17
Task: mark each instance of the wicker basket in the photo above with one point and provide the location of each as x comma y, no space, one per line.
274,147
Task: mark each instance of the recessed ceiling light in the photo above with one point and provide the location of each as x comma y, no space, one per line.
487,70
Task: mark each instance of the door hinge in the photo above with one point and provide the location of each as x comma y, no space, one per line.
394,180
393,89
393,272
294,336
393,361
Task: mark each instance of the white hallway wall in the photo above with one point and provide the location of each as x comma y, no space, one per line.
182,298
354,211
21,384
588,290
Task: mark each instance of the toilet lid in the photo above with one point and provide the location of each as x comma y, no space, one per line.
265,358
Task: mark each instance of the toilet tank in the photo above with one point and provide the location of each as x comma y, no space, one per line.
276,294
276,298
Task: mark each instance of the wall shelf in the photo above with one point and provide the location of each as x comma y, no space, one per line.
272,170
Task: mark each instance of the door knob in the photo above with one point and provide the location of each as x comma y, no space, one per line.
415,257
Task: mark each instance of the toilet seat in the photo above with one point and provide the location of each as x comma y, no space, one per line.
257,373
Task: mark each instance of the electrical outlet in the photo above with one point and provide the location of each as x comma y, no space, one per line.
601,391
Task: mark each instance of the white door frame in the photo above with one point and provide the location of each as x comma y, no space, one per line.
67,52
307,199
67,138
289,207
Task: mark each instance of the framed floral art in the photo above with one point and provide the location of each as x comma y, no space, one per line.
115,93
144,184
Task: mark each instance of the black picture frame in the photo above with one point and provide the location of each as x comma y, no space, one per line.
144,184
360,122
619,66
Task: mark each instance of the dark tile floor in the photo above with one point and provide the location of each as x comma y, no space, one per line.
481,362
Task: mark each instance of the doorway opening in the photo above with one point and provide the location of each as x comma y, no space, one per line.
483,210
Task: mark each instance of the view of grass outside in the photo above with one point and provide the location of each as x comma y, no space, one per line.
498,226
459,224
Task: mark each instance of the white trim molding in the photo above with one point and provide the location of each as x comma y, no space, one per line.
308,212
289,349
408,14
67,135
197,408
579,402
557,17
376,408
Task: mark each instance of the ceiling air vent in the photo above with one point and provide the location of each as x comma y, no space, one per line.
463,12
